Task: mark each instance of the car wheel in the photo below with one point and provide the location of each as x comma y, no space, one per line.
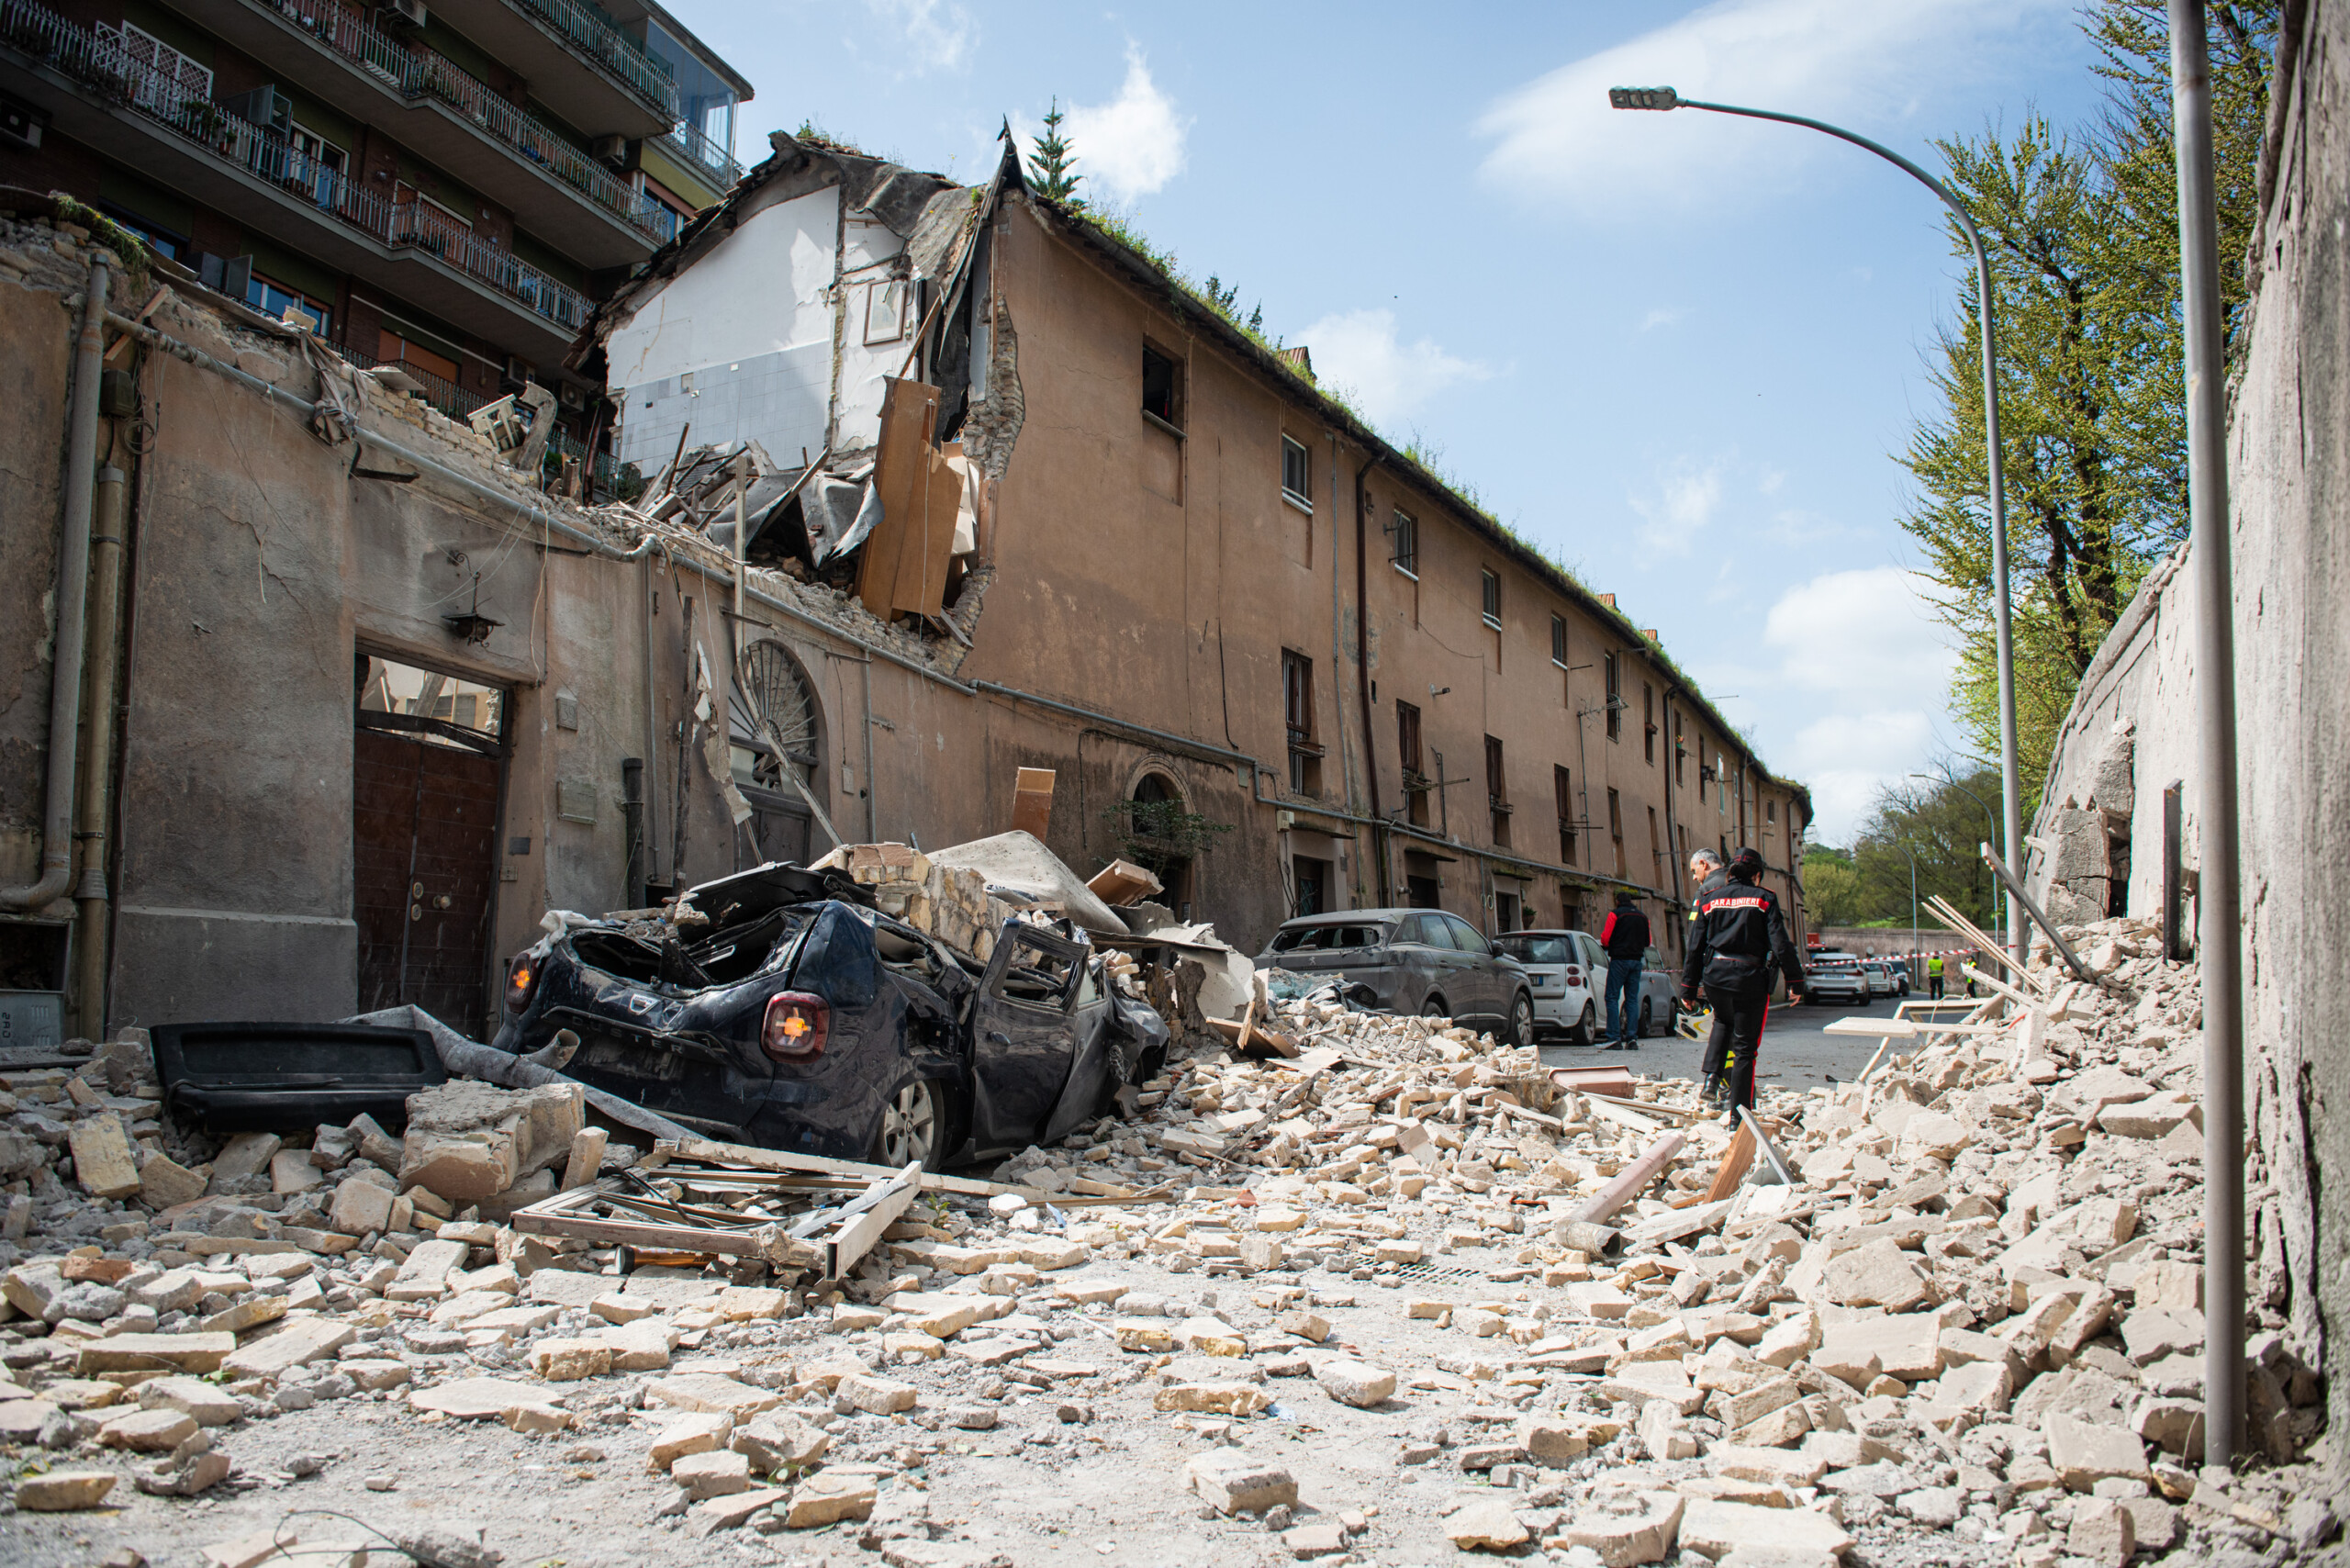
1521,1021
1434,1008
1647,1018
913,1128
1586,1030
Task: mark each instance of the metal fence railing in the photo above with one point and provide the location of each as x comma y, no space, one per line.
593,28
107,69
421,74
705,154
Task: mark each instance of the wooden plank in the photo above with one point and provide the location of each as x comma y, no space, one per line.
1871,1028
1736,1162
1611,1111
779,1160
1123,882
909,415
882,1205
1630,1181
928,545
1650,1107
1032,801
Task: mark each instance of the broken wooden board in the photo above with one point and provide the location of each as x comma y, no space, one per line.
1123,882
1032,801
1781,1171
1736,1160
780,1160
900,471
927,546
1254,1042
1630,1181
1614,1081
1622,1116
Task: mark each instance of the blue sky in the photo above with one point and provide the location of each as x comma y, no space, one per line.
1679,350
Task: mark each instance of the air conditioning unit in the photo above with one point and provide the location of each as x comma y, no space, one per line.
265,106
518,368
20,125
412,12
570,395
612,150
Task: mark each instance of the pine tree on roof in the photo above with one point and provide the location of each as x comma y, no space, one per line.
1051,170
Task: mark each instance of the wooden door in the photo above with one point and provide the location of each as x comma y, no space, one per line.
424,839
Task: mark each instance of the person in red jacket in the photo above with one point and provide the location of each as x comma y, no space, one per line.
1625,935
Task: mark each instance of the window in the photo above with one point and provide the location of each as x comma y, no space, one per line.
1465,936
1297,473
163,79
1558,641
1770,810
1310,879
1561,787
1493,599
1497,790
1648,719
1407,746
275,300
1680,753
1297,714
1428,930
1616,827
1615,696
1407,546
1160,392
1656,851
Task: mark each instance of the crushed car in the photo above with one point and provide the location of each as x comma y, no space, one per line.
780,1008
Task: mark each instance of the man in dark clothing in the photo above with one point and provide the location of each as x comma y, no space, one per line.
1740,937
1625,937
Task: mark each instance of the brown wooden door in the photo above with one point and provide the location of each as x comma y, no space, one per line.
424,837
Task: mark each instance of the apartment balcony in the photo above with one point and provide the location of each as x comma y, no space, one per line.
96,93
579,63
555,191
440,391
709,160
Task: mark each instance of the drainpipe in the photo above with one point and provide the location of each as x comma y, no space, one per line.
1671,832
72,598
1363,675
97,763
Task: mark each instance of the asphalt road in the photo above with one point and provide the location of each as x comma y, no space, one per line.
1796,1053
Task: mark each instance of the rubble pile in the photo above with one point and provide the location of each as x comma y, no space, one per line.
1384,1292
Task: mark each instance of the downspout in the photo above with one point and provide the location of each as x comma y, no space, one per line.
72,598
97,763
1671,832
1379,843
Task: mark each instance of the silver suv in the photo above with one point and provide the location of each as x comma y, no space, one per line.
1415,961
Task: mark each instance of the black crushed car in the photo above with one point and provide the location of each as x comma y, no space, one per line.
800,1017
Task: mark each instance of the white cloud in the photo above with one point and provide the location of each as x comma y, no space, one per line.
1863,63
1684,502
1867,641
1358,353
938,33
1132,145
1663,315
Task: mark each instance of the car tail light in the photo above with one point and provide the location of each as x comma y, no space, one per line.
796,1025
521,982
1574,975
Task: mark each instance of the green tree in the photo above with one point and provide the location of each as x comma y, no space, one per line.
1943,829
1052,167
1832,887
2082,233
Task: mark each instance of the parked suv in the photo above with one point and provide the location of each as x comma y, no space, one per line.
1419,961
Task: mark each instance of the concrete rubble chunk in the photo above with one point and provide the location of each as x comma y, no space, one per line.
2101,1532
1625,1526
2085,1453
712,1474
1878,1274
1237,1483
481,1398
1715,1528
1486,1524
1354,1383
828,1497
63,1491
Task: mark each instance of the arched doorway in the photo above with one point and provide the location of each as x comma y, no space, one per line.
777,751
1155,837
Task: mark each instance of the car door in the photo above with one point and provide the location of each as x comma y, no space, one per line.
1437,961
1595,972
1484,976
1023,1034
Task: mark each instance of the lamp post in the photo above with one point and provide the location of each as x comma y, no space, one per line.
2010,790
1913,908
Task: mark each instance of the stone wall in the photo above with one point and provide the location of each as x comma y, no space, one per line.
2132,730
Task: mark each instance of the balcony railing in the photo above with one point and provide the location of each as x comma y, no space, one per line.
107,70
438,390
705,154
593,30
420,73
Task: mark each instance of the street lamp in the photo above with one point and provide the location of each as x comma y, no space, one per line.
2010,790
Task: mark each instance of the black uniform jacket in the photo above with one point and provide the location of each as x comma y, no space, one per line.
1738,935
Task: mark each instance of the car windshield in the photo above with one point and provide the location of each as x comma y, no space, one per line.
1324,938
1534,950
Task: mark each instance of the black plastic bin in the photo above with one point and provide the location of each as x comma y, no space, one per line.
229,1077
